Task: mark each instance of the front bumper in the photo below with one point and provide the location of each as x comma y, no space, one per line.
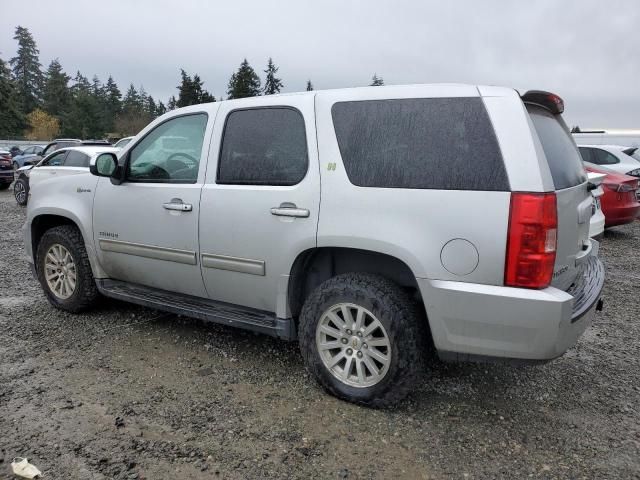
483,322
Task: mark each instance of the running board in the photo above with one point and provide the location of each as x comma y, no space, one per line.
196,307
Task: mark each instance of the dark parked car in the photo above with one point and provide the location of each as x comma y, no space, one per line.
6,169
15,151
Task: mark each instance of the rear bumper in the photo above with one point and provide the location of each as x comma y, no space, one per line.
622,215
6,176
482,322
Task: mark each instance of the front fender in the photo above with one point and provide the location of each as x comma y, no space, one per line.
70,197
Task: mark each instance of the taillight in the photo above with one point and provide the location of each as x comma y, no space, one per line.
622,187
531,240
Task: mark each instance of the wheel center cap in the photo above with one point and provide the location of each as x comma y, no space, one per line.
355,343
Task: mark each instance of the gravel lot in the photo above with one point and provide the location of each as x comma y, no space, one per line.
127,392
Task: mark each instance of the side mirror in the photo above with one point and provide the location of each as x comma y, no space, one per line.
105,165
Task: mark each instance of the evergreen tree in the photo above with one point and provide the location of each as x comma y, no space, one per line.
272,84
112,104
160,109
309,86
172,104
151,108
83,119
190,91
244,83
56,95
131,101
376,81
26,70
12,121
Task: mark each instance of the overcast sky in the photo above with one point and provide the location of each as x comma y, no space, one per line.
586,51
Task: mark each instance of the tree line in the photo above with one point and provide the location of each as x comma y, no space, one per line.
43,104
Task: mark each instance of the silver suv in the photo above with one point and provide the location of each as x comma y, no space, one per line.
373,225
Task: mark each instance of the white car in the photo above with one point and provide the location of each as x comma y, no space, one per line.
625,160
123,142
60,163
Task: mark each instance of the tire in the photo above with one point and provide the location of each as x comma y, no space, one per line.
4,186
85,293
402,323
21,191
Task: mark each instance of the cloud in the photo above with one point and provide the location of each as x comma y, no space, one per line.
586,51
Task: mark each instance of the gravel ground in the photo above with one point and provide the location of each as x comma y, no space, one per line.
127,392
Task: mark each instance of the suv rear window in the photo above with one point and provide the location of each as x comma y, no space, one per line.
562,154
430,143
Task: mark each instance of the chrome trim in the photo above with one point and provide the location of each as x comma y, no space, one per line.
149,251
233,264
181,207
290,212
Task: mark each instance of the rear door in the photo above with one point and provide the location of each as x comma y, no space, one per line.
573,199
260,202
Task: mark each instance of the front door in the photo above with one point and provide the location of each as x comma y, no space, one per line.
146,229
260,200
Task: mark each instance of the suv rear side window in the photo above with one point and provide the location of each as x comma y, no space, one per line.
263,146
562,154
434,143
76,159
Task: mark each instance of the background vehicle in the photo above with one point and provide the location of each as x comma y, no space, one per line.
123,142
214,212
627,137
596,225
6,169
620,199
60,163
15,150
64,143
29,156
614,158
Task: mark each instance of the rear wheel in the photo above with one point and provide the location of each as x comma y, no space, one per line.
64,270
21,191
361,337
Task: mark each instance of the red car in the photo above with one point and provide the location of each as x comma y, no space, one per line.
620,202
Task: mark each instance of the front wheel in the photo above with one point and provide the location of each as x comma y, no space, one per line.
21,191
64,270
361,336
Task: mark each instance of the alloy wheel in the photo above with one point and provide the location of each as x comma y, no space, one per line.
353,345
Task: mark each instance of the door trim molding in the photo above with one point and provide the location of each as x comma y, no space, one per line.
186,257
233,264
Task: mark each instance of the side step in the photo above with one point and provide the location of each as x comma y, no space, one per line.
196,307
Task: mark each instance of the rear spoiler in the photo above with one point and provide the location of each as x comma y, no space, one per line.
548,100
630,151
595,182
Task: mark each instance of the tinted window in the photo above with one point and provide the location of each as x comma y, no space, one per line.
438,143
76,159
55,160
562,154
263,146
170,153
602,157
586,154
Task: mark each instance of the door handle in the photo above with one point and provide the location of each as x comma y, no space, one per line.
288,209
178,205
